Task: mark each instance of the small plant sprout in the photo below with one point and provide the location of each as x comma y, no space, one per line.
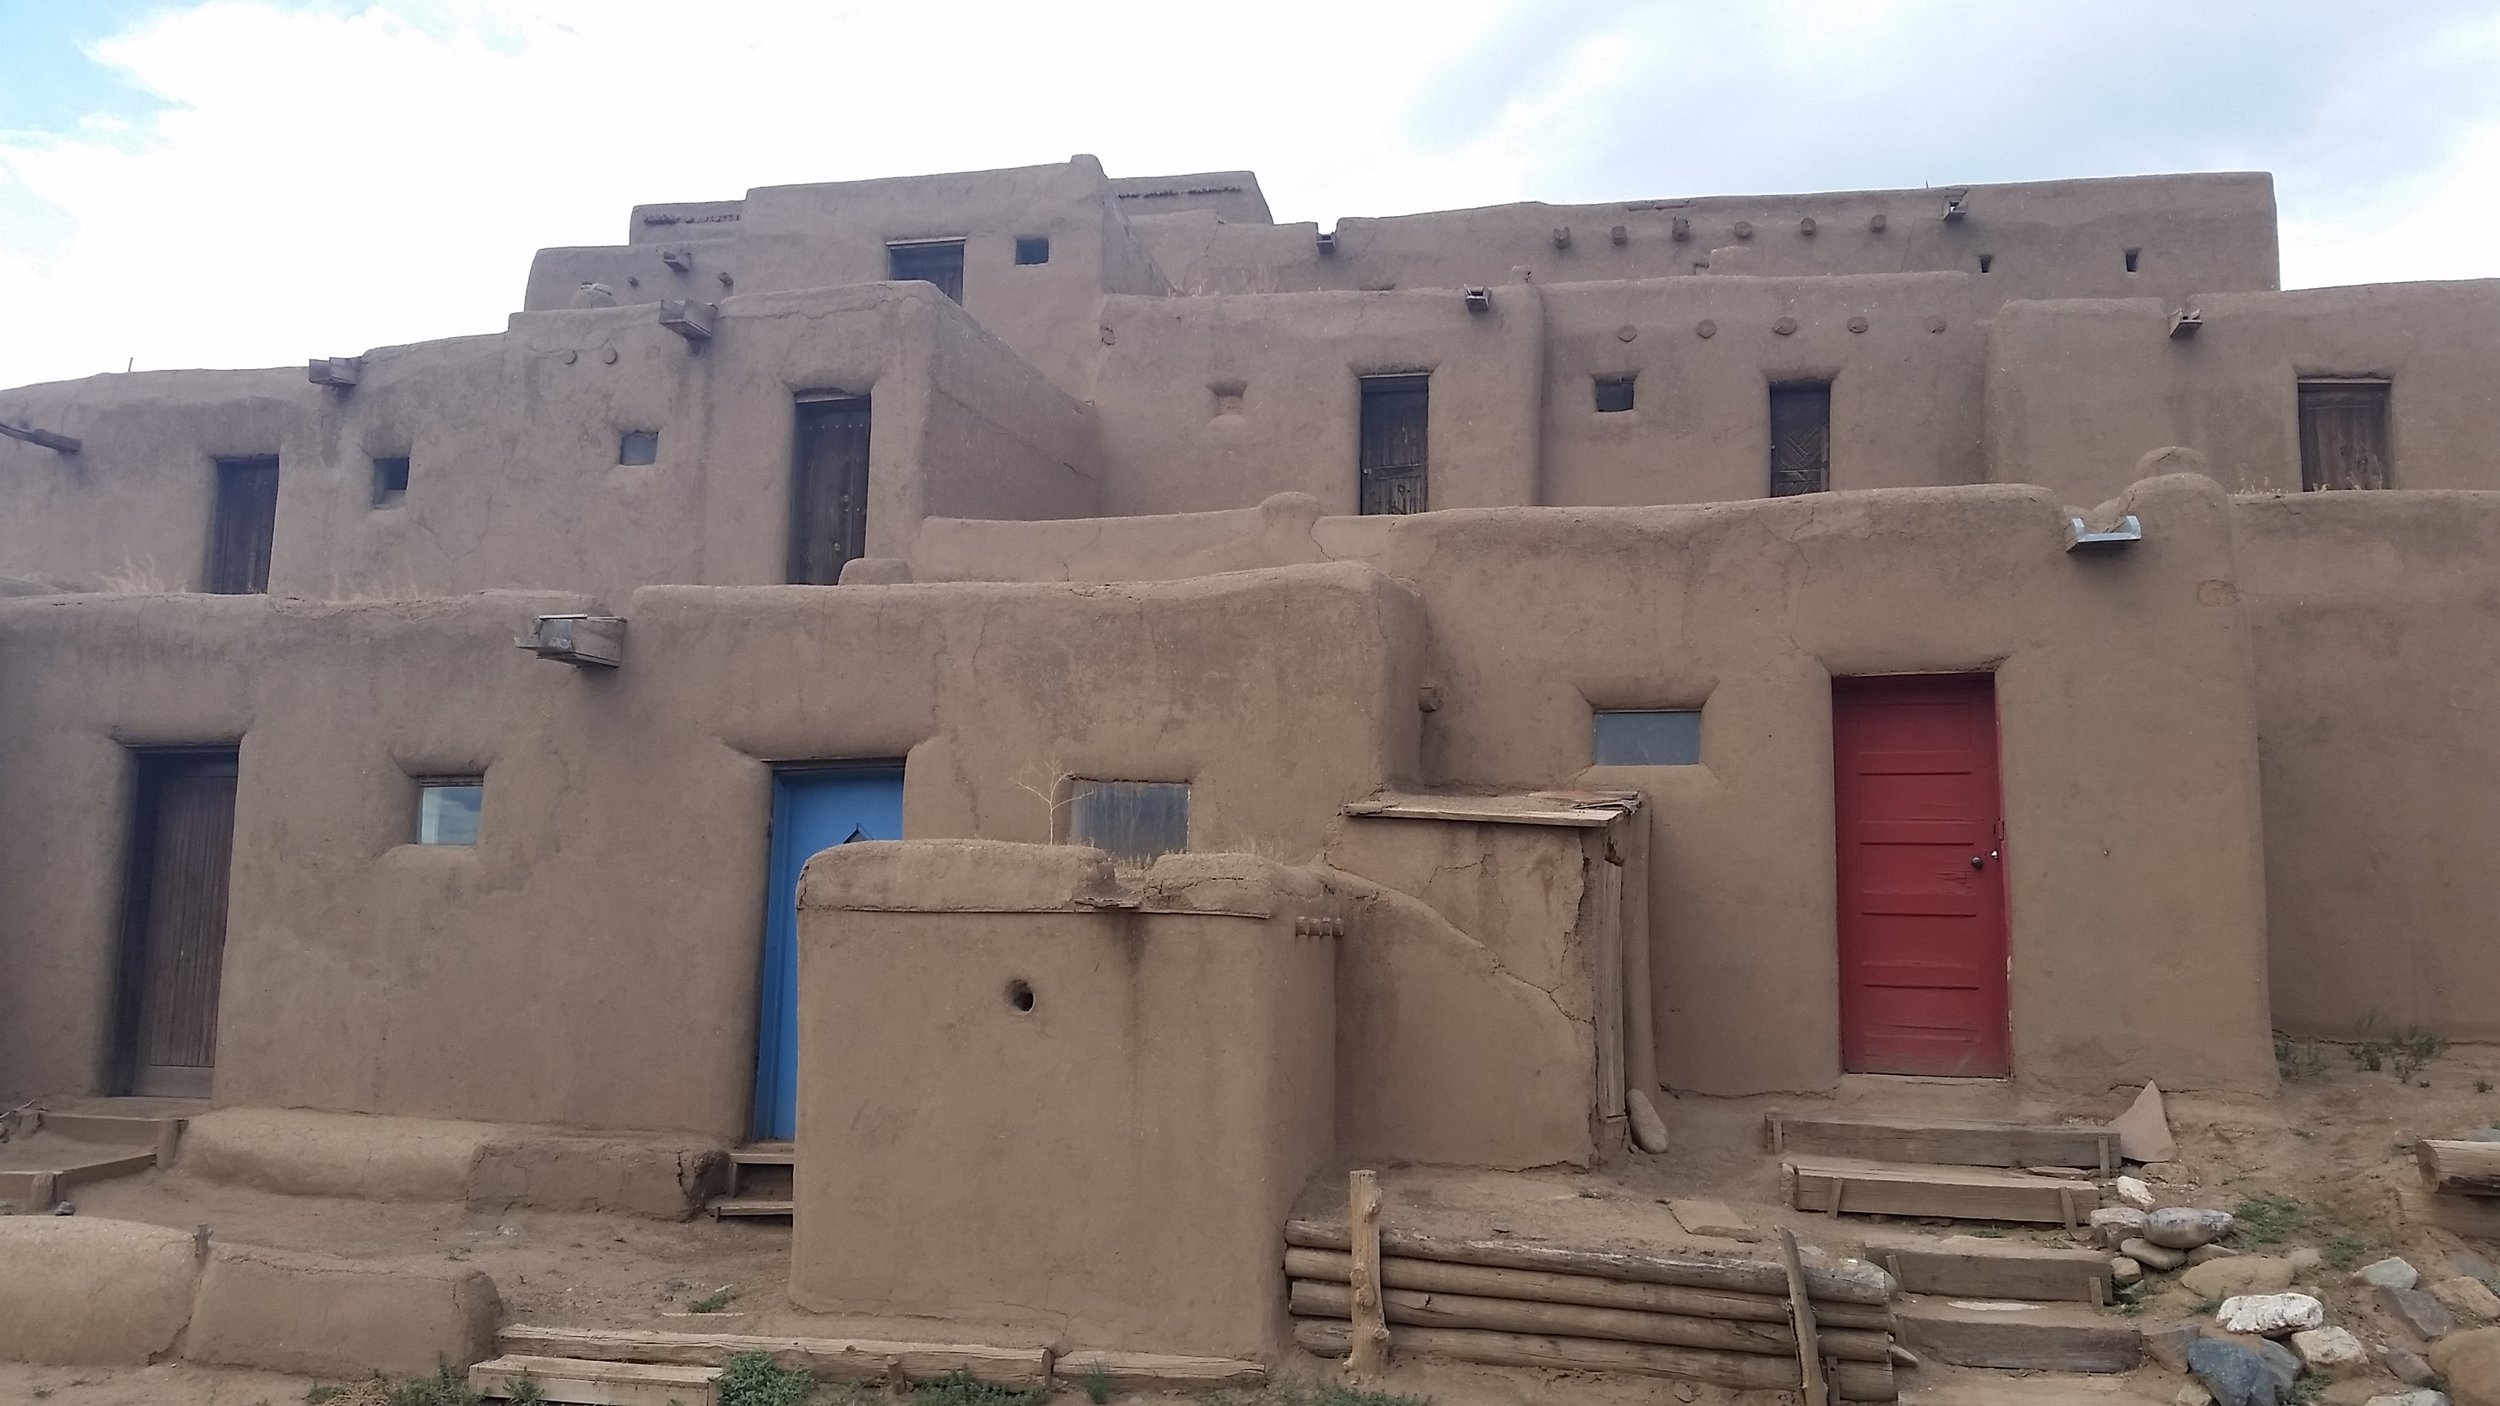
714,1301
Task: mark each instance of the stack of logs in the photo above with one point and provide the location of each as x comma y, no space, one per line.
2461,1183
1722,1321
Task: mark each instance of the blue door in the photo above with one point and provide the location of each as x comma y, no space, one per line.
814,809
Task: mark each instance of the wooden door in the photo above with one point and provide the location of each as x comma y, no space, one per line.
2343,435
1801,439
1395,452
829,490
1919,820
814,808
182,846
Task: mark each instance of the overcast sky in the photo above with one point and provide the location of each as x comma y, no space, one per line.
253,182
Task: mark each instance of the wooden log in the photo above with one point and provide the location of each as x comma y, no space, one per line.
1842,1281
606,1383
2459,1168
1962,1193
1154,1371
1542,1286
1945,1142
1369,1351
1742,1371
1311,1298
1809,1342
844,1359
1966,1266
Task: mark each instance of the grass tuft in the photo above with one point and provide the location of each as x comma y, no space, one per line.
2268,1219
751,1379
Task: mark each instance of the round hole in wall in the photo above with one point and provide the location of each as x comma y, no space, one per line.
1020,995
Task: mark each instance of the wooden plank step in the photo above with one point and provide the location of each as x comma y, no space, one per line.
1154,1371
1973,1267
1836,1184
2018,1336
1945,1141
108,1127
765,1154
750,1206
842,1359
103,1169
1972,1386
596,1383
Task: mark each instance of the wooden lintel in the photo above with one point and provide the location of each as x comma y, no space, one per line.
57,443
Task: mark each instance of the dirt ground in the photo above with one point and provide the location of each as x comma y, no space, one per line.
2337,1141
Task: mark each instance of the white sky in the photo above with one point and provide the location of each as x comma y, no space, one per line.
247,182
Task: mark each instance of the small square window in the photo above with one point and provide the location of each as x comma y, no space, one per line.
1614,393
1647,737
447,809
638,447
390,481
1132,821
1032,248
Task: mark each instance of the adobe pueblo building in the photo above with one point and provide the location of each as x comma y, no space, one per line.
1082,708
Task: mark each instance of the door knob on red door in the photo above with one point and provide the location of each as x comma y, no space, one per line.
1978,863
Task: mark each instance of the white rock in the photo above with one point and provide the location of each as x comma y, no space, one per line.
2389,1273
2113,1224
2410,1398
2186,1227
2322,1349
2270,1315
2192,1395
2135,1193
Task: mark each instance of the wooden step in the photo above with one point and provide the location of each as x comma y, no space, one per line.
1972,1386
750,1206
1971,1266
1945,1142
578,1379
841,1359
2018,1336
765,1154
1836,1184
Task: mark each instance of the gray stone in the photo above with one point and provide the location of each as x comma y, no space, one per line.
2152,1256
2185,1227
2329,1350
2112,1224
2167,1343
2239,1376
2407,1366
2207,1254
2425,1317
2124,1271
2304,1259
2474,1266
2389,1273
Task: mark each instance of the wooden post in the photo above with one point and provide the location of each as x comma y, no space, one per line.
1801,1315
1368,1351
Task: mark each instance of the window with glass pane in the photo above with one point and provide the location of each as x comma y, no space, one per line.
1648,737
447,810
1132,821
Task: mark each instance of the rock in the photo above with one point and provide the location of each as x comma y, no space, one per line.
2167,1343
2152,1256
2239,1376
2125,1271
2207,1254
2389,1273
2425,1317
2186,1227
2407,1366
2483,1135
1715,1218
2471,1363
2193,1394
2474,1266
2144,1129
2270,1315
2471,1300
2410,1398
2114,1224
2304,1260
2328,1350
2241,1274
2134,1193
2170,1173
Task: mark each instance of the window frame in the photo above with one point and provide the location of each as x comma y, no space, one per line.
428,787
1679,749
1144,796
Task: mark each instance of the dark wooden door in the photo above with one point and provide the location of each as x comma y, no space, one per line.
1395,449
243,526
2343,434
1801,439
182,846
939,261
1918,816
829,490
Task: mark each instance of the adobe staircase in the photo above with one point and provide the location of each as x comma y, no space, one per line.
1975,1301
760,1182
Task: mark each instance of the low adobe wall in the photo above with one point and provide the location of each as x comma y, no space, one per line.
1103,1096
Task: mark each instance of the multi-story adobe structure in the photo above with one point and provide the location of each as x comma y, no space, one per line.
1921,591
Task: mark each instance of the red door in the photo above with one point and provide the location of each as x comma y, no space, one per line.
1919,820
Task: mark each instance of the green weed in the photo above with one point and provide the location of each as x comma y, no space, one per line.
960,1388
2267,1219
714,1301
2343,1252
2298,1061
751,1379
1096,1384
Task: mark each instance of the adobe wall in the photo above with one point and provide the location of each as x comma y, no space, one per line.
1117,1154
368,974
2194,233
2376,622
513,447
1171,445
1748,612
835,234
2078,391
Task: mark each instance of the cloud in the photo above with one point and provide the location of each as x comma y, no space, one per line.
261,182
